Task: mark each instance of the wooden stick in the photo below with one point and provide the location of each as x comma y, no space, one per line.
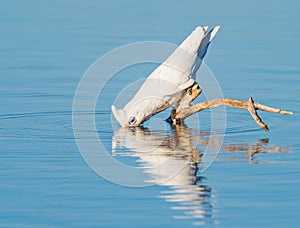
185,109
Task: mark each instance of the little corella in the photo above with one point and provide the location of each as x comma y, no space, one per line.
165,86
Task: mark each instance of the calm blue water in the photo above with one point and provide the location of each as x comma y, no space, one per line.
45,48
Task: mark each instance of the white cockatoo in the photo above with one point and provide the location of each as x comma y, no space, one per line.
166,84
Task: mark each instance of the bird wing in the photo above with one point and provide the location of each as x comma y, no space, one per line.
177,72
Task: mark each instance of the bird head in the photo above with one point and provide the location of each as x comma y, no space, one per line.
132,119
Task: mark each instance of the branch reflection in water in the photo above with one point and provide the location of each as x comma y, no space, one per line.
171,158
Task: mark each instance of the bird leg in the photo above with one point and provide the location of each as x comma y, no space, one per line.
185,109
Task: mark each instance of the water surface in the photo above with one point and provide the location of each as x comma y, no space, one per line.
45,49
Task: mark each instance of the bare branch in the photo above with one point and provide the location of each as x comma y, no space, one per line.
185,109
254,115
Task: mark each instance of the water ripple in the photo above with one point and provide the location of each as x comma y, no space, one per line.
46,125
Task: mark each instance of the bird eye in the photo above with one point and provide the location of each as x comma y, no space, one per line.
132,121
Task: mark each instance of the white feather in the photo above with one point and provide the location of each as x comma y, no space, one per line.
165,85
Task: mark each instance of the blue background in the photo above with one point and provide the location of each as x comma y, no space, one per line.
45,48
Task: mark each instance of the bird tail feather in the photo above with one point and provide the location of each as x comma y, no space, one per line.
206,41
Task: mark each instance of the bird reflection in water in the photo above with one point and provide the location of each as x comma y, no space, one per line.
171,158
